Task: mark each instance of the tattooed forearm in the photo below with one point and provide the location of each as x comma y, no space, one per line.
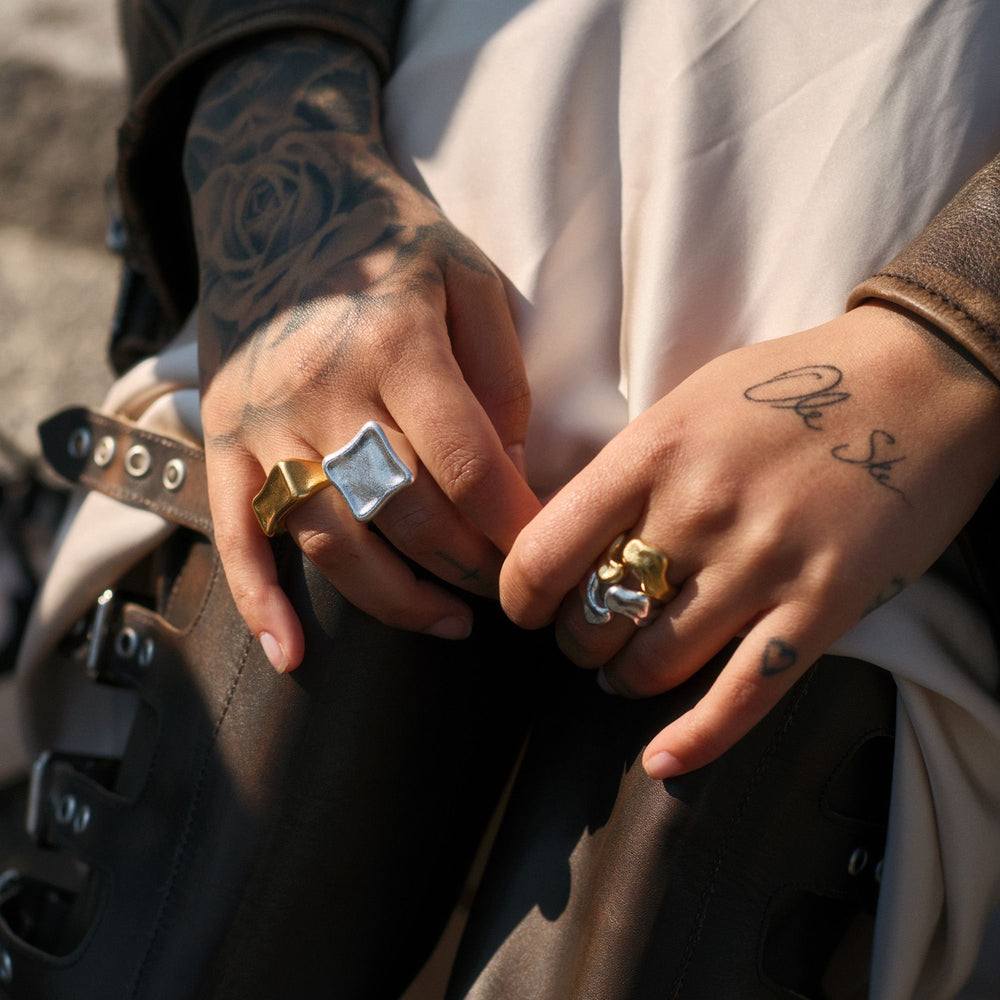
878,462
778,656
807,391
273,170
294,199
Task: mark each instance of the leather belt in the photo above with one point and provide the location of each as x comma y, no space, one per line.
130,464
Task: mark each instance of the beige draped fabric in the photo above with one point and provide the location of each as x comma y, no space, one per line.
661,182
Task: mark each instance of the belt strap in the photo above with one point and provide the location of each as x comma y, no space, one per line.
130,464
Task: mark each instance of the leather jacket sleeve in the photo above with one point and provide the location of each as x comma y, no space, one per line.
950,274
172,46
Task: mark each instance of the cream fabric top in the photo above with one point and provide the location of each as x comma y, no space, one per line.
661,182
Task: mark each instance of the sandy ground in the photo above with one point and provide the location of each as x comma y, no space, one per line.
60,102
61,98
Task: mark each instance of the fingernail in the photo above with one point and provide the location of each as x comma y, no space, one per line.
451,628
273,651
603,684
515,452
663,765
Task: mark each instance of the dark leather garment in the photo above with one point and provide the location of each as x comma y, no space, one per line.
261,836
950,274
744,879
161,36
307,836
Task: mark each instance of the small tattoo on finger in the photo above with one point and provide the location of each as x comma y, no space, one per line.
467,573
778,657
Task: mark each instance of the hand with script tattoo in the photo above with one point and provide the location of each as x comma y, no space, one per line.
333,293
794,484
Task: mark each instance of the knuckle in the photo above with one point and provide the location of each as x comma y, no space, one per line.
323,548
247,595
524,578
466,476
574,646
642,676
514,397
587,646
528,561
406,523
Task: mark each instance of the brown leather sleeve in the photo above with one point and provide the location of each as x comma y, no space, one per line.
172,46
950,274
163,37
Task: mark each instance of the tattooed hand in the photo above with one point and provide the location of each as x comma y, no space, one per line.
333,293
795,485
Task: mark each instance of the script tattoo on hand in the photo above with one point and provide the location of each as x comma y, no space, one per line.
809,390
877,463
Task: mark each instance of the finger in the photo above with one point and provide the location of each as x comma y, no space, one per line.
559,550
424,525
455,440
773,656
488,352
587,645
370,573
247,558
704,617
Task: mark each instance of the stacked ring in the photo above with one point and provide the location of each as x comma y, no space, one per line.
366,472
628,561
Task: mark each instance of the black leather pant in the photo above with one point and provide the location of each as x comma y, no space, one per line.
307,836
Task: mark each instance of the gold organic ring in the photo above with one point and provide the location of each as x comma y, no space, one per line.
646,561
287,485
628,560
650,565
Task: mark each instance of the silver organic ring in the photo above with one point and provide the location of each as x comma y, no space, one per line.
594,609
603,600
367,471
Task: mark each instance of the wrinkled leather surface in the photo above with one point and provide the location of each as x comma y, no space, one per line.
950,274
307,835
93,449
733,881
294,836
162,35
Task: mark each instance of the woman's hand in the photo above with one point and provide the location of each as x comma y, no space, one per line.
333,293
795,485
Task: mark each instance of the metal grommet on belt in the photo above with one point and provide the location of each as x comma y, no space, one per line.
78,444
65,810
173,474
104,451
127,643
138,461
